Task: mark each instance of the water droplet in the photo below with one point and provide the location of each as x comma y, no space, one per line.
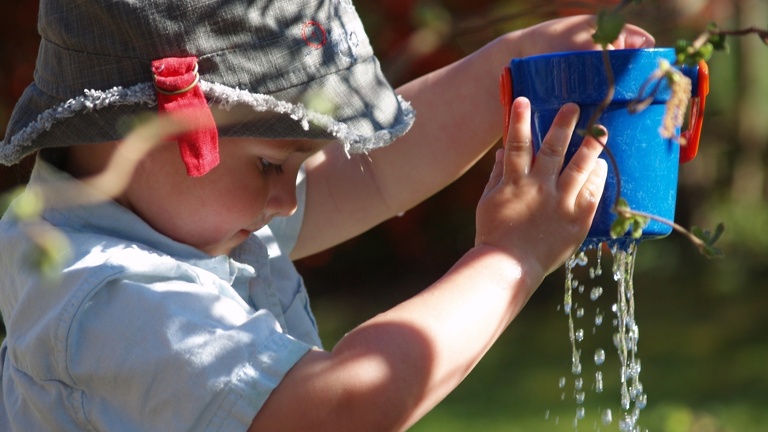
580,411
607,417
561,382
576,368
599,382
625,329
599,356
633,369
641,401
624,399
581,258
599,254
596,293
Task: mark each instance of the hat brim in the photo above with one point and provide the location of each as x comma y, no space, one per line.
355,106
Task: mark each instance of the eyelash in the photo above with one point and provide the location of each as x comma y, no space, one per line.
268,167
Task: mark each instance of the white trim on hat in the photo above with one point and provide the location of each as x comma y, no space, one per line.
225,97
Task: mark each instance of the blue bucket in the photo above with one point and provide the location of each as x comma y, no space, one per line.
647,163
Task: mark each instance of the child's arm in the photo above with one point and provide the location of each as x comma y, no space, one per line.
391,370
458,119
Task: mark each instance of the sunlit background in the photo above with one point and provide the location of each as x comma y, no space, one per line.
703,323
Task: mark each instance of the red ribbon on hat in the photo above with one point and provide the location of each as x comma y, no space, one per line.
179,94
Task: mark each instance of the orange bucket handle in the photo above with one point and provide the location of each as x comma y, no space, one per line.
689,145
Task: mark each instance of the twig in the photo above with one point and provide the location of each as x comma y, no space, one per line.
628,213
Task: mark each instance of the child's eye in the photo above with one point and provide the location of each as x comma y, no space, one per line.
268,167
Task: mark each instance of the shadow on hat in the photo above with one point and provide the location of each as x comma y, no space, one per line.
266,69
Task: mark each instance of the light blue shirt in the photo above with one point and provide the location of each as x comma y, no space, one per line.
142,333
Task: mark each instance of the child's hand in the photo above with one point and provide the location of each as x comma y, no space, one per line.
574,34
533,210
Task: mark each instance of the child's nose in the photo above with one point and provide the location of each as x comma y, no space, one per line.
282,199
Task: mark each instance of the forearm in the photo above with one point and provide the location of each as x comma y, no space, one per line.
458,119
388,372
430,343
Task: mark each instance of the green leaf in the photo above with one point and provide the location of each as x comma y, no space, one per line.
622,222
638,224
712,252
697,232
620,226
718,42
626,220
708,239
598,132
705,52
681,46
764,37
609,27
718,232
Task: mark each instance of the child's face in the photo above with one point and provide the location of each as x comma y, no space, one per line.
255,181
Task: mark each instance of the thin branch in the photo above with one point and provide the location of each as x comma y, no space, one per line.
627,213
596,115
761,33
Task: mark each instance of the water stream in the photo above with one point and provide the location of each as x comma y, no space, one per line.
582,293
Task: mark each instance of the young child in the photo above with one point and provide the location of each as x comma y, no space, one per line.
179,307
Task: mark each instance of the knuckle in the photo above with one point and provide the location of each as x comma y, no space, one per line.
551,149
518,146
578,169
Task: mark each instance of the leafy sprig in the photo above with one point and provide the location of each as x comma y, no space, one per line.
610,23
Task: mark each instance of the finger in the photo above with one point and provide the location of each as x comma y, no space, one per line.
549,160
496,172
634,37
580,167
590,193
518,152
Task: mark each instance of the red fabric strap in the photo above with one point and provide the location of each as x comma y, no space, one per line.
179,95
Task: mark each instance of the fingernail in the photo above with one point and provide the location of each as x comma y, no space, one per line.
637,41
522,103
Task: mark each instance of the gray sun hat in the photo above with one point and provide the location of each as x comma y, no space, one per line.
272,59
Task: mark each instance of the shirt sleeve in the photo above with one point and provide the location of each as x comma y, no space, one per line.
168,355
